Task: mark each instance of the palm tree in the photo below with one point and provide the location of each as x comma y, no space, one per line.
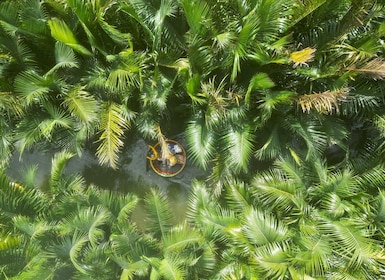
291,84
294,221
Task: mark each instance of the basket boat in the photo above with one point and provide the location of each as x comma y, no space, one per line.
162,167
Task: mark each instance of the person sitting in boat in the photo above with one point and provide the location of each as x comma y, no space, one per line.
167,157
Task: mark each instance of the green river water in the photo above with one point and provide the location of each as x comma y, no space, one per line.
134,174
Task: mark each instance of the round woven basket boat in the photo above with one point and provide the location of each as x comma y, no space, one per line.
161,167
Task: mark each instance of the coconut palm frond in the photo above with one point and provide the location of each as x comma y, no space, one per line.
57,119
375,68
262,228
155,18
258,82
313,136
15,199
171,268
9,18
112,127
224,40
82,105
159,214
33,17
377,212
291,168
344,184
32,87
132,11
371,180
325,102
360,105
28,134
32,229
314,256
239,51
273,18
272,99
19,51
119,205
58,163
302,9
354,241
12,256
65,58
198,200
335,206
125,73
237,195
181,237
61,32
87,221
69,249
117,36
220,223
272,147
10,104
274,191
271,261
201,142
154,96
6,146
355,54
238,147
197,15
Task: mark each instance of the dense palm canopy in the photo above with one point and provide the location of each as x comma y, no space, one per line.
280,101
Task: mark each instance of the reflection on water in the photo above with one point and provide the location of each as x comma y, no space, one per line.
134,174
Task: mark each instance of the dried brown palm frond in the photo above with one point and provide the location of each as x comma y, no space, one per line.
374,68
324,102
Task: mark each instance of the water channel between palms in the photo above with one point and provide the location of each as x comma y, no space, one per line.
134,174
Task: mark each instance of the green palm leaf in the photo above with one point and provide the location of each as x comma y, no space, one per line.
257,82
353,242
198,200
180,238
377,212
57,119
65,58
126,71
197,15
237,195
262,228
272,146
58,163
304,9
32,229
201,142
113,123
61,32
32,87
314,256
69,248
159,215
274,190
15,199
9,17
87,221
271,261
238,147
82,105
10,104
171,269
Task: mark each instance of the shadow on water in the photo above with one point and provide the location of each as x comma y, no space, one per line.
134,174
